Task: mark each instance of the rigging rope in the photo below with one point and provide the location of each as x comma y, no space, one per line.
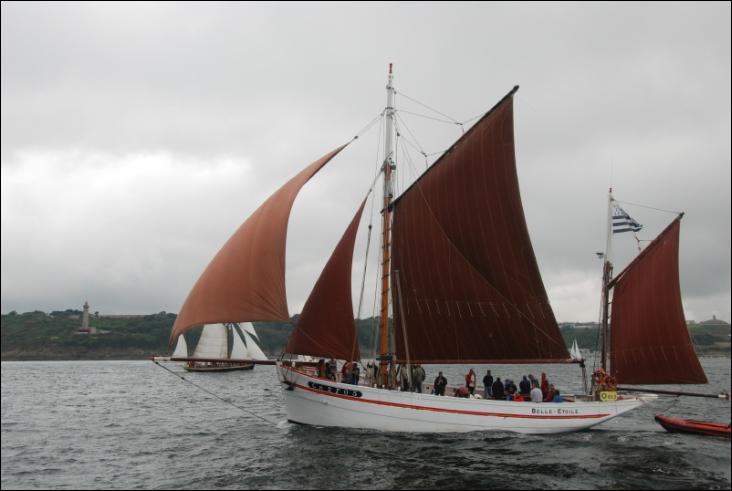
374,319
450,118
430,108
273,423
368,244
369,125
379,168
647,402
408,159
474,117
363,277
427,117
416,144
649,207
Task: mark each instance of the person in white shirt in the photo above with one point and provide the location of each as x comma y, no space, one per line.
536,395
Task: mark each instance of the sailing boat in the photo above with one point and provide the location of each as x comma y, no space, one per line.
457,266
212,351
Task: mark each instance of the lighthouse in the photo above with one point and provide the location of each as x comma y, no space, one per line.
85,329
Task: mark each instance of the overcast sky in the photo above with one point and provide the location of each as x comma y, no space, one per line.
137,137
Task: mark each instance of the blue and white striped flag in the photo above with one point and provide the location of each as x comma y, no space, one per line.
623,223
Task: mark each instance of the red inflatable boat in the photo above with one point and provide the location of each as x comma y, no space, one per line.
690,426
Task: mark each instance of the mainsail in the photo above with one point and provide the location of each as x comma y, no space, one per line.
326,327
245,281
469,287
650,342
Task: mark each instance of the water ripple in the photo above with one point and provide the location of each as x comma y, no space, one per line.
120,425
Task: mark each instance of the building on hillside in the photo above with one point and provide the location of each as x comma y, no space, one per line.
714,322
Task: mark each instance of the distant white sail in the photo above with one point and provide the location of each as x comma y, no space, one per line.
575,352
255,352
213,343
181,348
249,327
239,350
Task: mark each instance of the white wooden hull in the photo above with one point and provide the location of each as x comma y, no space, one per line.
320,402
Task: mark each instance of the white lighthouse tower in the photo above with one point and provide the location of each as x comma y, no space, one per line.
85,329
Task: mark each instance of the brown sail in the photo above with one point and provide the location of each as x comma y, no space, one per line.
245,281
650,341
469,287
326,326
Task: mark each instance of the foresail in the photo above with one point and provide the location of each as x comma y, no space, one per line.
650,342
181,348
238,350
249,327
469,287
326,327
245,281
213,343
255,352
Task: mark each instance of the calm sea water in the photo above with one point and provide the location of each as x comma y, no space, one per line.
130,424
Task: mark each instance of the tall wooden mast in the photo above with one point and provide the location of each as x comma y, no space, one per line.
607,274
388,168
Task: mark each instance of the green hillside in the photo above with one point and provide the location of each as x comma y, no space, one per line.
52,336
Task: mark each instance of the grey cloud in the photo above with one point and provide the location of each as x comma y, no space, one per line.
136,137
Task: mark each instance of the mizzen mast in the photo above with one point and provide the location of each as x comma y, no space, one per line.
388,168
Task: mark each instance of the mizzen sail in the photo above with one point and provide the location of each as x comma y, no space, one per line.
245,281
470,290
650,342
326,327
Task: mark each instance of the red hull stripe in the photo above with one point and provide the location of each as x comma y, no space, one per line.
453,411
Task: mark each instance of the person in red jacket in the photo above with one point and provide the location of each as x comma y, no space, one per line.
544,385
470,381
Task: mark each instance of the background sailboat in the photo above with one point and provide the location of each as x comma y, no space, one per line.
212,351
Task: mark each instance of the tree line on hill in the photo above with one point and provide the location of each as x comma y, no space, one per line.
41,335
